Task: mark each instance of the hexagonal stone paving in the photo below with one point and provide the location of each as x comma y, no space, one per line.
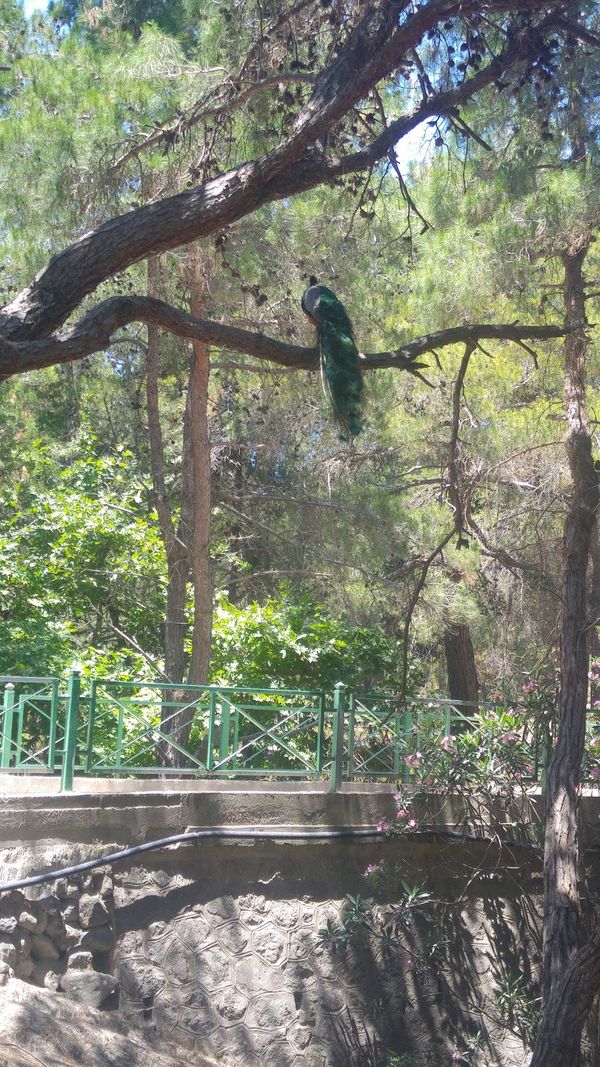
268,943
270,1010
230,1006
284,913
214,969
253,975
194,931
244,979
179,963
222,909
232,938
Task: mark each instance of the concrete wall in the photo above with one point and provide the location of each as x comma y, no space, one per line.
215,945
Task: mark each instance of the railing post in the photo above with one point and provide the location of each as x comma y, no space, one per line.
407,725
225,729
7,726
337,747
210,737
351,709
320,734
53,725
89,745
71,718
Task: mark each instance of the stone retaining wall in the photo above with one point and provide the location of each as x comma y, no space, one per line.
216,945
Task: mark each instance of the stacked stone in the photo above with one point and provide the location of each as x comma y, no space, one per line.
62,940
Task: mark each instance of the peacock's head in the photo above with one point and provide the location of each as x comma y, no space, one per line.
310,300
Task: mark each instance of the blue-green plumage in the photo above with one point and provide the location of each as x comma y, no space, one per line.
340,361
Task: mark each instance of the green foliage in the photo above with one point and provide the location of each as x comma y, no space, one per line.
518,1006
78,558
293,643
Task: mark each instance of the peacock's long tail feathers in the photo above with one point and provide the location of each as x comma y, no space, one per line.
340,361
342,377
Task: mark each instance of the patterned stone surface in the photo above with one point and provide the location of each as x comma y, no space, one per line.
218,952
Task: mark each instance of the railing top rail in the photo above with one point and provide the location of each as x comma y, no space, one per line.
266,690
14,679
432,701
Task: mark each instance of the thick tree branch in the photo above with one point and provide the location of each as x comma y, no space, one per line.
94,332
404,356
373,51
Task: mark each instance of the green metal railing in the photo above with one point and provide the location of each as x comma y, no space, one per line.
134,728
124,729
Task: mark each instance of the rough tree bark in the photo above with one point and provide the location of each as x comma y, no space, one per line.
175,548
200,535
463,683
571,973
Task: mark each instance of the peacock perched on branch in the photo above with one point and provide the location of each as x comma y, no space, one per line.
340,360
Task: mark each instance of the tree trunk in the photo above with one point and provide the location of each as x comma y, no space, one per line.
196,520
595,617
559,1037
463,683
175,549
200,538
567,975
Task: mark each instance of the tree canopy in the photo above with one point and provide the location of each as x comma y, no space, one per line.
171,175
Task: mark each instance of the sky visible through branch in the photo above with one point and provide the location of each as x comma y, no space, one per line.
411,148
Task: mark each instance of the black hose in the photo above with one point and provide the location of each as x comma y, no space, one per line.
193,835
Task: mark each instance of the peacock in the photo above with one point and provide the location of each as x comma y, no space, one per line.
340,360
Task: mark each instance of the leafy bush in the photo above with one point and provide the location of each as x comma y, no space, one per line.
291,643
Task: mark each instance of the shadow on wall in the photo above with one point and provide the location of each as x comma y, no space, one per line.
219,947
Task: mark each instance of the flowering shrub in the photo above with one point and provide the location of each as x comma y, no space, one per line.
494,748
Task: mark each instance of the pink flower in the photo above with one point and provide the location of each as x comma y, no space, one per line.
412,824
529,687
447,742
595,773
408,965
509,736
402,813
383,826
413,760
372,868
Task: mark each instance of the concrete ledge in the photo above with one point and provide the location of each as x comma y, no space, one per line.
48,785
130,812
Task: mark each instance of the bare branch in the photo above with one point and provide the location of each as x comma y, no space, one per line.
403,357
168,134
412,603
454,486
94,332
